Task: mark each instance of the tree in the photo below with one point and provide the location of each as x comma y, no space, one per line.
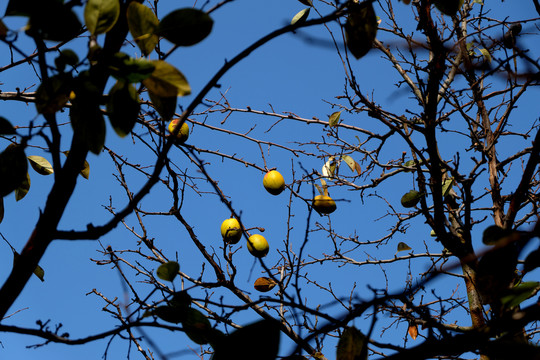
453,157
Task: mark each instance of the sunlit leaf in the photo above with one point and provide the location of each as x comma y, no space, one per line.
413,331
142,23
5,127
486,54
168,271
167,81
329,168
13,168
403,247
101,15
40,165
333,120
264,284
185,27
23,188
301,16
411,164
123,107
447,186
360,28
352,345
245,343
353,165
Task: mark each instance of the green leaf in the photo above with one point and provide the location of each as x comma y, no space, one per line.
101,15
128,69
411,198
53,94
306,2
333,120
245,343
448,7
301,16
197,327
66,57
13,168
5,127
493,234
403,247
40,165
168,271
165,106
167,81
170,314
360,28
89,124
123,107
1,209
23,188
352,345
519,294
411,165
143,23
185,27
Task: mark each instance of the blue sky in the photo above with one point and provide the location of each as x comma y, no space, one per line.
286,75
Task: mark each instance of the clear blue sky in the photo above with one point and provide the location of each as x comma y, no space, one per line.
286,75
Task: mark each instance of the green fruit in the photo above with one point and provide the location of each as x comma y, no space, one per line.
183,133
324,204
411,198
231,231
258,246
273,182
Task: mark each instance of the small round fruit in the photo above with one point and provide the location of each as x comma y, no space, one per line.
258,246
324,204
231,231
273,182
183,134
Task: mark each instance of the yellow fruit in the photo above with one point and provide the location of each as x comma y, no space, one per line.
258,246
273,182
183,134
231,231
324,204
